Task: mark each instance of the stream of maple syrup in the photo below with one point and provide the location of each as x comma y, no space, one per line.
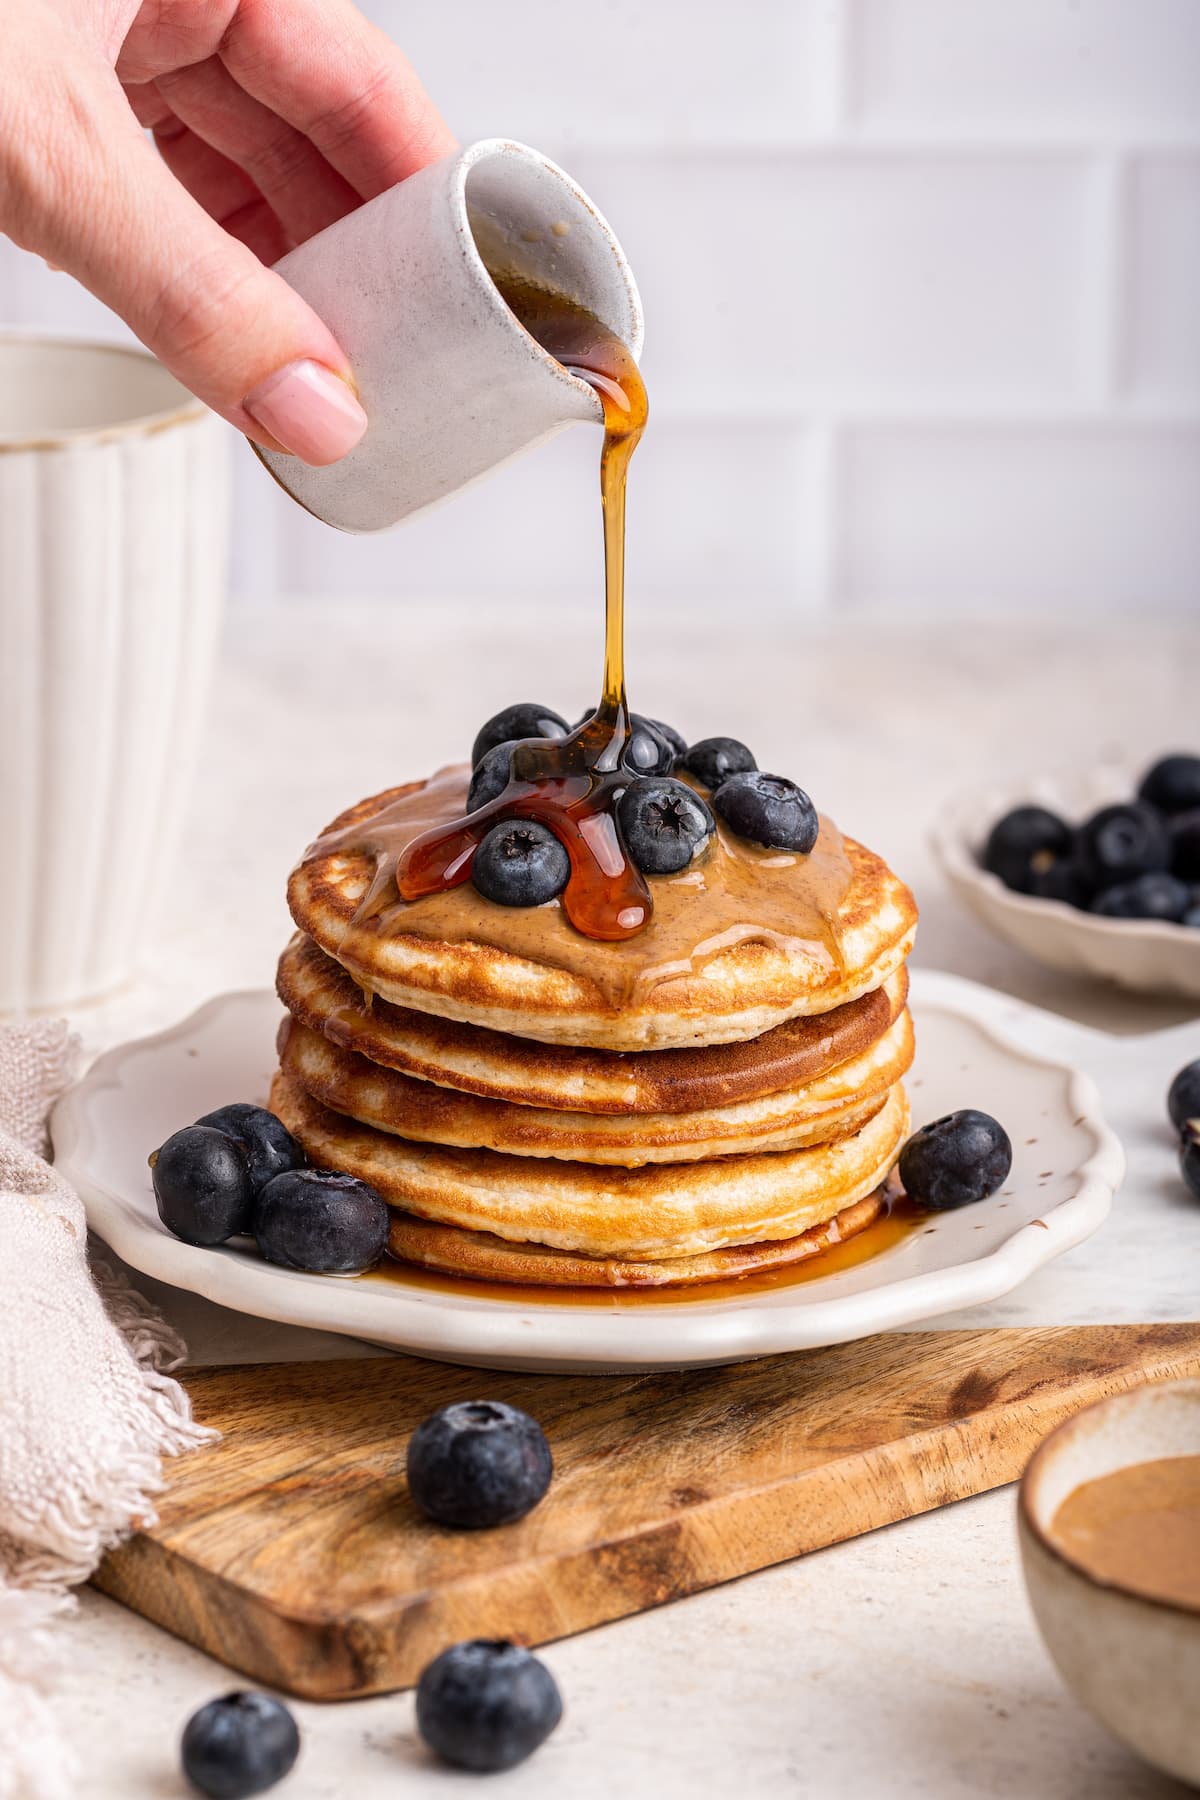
570,784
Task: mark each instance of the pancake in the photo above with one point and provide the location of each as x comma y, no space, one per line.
497,1066
837,1103
650,1214
481,1256
740,941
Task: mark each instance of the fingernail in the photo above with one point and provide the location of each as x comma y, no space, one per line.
309,410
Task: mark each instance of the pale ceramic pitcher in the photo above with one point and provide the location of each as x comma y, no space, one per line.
452,383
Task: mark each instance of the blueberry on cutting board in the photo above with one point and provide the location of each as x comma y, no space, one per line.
478,1463
486,1705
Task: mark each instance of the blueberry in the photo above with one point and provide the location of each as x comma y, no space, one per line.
524,720
1025,844
491,775
326,1223
663,824
241,1744
1185,845
202,1185
955,1161
1191,917
478,1463
1173,784
269,1145
649,750
520,863
486,1705
675,738
1155,896
713,759
769,809
1063,879
1183,1095
1121,842
1189,1156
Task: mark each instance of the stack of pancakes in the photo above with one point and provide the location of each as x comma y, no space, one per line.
733,1112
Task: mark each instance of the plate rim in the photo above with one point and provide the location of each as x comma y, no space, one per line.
436,1325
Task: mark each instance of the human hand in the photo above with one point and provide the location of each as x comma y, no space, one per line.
273,119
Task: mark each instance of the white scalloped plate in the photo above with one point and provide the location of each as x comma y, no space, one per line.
1066,1169
1145,954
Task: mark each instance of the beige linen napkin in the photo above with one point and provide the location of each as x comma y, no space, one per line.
87,1408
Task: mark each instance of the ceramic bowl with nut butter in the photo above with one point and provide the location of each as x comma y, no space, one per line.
1109,1523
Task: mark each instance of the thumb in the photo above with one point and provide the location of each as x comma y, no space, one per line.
232,331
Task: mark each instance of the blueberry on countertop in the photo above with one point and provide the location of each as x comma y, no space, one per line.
326,1223
491,775
1025,845
520,863
524,720
712,760
955,1161
1183,1095
649,750
486,1705
478,1463
1189,1156
239,1745
663,824
1157,896
269,1145
768,809
1172,784
1119,843
202,1185
1185,845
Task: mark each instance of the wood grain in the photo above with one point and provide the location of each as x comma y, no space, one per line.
292,1551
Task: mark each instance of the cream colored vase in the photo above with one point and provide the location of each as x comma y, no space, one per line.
113,520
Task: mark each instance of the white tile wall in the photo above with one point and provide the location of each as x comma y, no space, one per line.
923,293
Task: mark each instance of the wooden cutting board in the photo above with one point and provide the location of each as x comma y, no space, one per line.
292,1552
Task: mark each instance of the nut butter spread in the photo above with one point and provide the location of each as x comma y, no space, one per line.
1138,1528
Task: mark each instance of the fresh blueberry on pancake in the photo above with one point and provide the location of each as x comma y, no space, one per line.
1185,845
1189,1156
524,720
1025,845
239,1745
1119,843
520,863
1172,784
768,809
326,1223
955,1161
714,759
203,1187
649,750
477,1464
663,824
491,775
486,1705
269,1145
1157,896
1183,1095
675,738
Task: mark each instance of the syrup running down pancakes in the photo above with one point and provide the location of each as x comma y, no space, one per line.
637,1079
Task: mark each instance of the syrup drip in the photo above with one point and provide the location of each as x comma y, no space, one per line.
571,785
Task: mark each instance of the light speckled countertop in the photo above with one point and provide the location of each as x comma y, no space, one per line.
903,1663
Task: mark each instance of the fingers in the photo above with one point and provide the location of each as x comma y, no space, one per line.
224,190
282,165
108,210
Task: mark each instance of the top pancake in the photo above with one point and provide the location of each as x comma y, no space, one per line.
741,941
497,1066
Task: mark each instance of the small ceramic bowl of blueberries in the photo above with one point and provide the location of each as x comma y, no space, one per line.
1097,874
